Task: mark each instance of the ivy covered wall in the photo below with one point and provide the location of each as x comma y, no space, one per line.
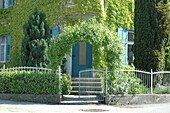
58,12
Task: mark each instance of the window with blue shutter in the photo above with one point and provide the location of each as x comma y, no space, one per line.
8,3
8,46
34,0
123,35
55,32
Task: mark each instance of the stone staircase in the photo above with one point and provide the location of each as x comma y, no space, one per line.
90,90
86,86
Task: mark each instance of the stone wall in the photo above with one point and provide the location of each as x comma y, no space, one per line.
51,99
137,99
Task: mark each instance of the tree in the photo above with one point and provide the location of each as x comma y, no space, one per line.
151,35
36,41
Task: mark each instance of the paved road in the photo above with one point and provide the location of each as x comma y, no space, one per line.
26,107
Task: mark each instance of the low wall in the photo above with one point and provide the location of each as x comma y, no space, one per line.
50,99
137,99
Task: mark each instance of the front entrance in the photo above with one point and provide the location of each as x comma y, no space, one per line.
81,58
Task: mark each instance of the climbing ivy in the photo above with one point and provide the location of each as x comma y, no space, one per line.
106,46
119,14
58,12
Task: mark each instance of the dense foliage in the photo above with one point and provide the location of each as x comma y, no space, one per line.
125,82
162,90
106,45
29,82
36,41
167,61
151,35
119,14
66,84
59,12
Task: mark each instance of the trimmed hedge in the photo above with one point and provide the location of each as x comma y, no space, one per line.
29,82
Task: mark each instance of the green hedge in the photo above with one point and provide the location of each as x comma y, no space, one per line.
29,82
66,84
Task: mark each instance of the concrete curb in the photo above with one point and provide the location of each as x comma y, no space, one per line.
52,99
137,99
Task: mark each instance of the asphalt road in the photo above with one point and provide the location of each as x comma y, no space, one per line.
26,107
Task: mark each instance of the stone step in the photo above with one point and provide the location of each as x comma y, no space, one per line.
89,88
86,79
76,92
76,83
82,99
79,98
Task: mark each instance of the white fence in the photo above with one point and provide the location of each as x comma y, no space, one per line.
129,81
147,82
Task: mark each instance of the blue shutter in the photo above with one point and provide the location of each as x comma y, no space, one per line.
123,35
55,32
8,46
33,0
11,3
8,3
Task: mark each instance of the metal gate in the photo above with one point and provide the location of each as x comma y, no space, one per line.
92,84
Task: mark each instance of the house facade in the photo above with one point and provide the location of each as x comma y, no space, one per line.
5,44
58,13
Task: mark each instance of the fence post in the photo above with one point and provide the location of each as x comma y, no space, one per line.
106,81
4,66
59,74
151,81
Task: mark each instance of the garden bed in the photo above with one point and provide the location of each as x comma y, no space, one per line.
50,99
137,99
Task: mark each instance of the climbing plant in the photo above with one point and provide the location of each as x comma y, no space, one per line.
106,46
60,12
119,13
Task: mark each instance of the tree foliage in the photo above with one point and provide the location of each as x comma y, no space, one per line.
106,46
151,35
36,41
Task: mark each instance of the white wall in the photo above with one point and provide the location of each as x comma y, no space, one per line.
68,64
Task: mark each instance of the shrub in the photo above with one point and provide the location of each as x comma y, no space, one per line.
66,84
125,82
162,89
29,82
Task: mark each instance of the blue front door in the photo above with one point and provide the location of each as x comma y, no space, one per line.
81,58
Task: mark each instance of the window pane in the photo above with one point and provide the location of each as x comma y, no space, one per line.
2,48
2,53
82,54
